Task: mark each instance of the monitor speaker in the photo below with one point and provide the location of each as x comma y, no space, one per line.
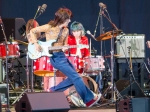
43,102
134,105
123,86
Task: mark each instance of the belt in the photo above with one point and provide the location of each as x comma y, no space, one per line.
57,51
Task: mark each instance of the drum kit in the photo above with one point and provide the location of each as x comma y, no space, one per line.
88,66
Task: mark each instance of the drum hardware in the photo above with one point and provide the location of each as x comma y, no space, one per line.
106,94
20,82
110,35
12,73
6,52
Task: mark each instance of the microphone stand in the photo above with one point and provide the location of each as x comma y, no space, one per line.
6,73
129,62
27,60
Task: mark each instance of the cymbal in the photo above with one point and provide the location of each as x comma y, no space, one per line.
21,42
115,55
108,35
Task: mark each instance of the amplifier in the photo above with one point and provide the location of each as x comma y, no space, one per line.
136,42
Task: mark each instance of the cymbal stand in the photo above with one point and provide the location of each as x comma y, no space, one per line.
112,57
7,50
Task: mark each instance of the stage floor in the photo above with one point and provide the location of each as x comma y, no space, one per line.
101,108
78,110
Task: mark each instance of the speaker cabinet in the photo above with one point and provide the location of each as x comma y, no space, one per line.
134,105
135,41
12,26
123,87
43,102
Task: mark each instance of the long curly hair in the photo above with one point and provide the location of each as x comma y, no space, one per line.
60,16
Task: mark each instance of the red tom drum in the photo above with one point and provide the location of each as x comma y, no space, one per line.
13,50
43,67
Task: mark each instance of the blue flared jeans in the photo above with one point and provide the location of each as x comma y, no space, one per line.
60,62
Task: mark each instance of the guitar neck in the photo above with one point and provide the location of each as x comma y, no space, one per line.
60,47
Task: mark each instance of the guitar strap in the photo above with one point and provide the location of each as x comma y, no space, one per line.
59,35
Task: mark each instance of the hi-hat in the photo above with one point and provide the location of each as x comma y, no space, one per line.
21,42
115,55
108,35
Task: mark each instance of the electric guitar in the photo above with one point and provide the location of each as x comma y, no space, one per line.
46,47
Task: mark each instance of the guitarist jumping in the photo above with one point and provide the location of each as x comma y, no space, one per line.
57,31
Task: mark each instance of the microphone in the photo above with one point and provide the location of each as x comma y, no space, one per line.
42,9
89,33
103,6
123,34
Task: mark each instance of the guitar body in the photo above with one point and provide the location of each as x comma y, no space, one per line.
46,47
34,54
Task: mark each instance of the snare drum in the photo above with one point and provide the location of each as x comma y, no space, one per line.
94,64
13,50
43,67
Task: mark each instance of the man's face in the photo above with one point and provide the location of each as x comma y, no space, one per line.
65,24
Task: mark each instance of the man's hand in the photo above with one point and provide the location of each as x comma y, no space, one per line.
148,44
38,47
64,48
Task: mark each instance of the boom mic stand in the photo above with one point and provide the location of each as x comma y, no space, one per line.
6,73
101,27
27,58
